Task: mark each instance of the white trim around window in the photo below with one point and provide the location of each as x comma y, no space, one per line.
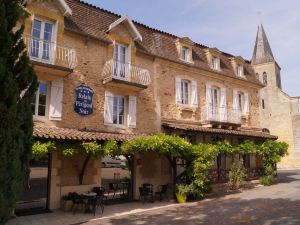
185,53
40,105
186,92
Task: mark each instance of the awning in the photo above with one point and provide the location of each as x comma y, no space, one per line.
191,127
56,133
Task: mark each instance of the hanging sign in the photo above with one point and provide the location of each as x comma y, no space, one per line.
84,100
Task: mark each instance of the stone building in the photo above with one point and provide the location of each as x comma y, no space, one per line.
279,111
134,80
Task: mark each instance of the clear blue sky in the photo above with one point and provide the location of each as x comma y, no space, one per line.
229,25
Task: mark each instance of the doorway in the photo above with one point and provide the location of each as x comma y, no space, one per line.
117,178
34,198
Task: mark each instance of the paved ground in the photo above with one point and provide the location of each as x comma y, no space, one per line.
277,204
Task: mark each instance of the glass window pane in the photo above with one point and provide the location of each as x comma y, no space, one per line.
48,32
36,28
42,110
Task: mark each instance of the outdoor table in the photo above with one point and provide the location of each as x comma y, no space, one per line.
89,196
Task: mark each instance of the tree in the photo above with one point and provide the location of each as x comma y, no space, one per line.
18,85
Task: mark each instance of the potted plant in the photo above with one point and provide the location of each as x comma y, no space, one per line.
182,190
66,202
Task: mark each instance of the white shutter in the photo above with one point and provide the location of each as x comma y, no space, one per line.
132,112
178,90
108,108
235,104
246,104
208,102
128,63
223,105
194,94
55,110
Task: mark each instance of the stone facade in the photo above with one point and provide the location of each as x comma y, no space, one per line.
155,102
279,111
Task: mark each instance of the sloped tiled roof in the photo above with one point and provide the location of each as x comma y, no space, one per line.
198,128
56,133
93,21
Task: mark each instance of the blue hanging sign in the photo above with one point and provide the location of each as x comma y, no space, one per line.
84,100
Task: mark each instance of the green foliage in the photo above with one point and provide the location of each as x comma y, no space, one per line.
272,152
159,143
17,88
183,189
199,157
237,174
40,149
266,180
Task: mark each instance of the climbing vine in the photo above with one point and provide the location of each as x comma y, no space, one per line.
198,157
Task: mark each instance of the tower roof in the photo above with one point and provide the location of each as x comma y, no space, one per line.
262,51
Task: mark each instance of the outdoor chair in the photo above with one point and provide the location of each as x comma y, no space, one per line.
146,193
96,203
162,192
77,201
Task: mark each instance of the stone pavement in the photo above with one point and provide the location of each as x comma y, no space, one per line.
277,204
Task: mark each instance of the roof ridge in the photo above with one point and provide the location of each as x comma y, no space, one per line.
151,28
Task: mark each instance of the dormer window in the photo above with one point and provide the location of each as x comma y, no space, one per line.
240,71
216,63
185,53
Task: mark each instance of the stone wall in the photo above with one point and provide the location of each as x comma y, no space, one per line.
170,110
153,169
280,115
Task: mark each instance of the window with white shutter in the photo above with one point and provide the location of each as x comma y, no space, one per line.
40,102
186,92
241,102
56,97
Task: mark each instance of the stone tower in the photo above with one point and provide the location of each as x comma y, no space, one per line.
279,112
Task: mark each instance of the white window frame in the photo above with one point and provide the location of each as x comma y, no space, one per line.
124,113
185,53
121,68
215,63
185,92
37,98
240,70
52,43
241,99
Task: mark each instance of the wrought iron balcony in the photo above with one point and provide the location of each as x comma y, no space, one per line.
43,51
221,115
125,72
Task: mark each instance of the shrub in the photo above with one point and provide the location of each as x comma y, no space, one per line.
266,180
237,174
183,189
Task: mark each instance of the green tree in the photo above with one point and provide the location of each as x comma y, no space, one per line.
18,84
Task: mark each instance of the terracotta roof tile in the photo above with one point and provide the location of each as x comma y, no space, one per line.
192,127
57,133
94,21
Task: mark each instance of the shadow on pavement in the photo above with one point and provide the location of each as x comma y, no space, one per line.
219,212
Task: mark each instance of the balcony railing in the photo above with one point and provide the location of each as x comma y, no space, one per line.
50,53
114,69
221,114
